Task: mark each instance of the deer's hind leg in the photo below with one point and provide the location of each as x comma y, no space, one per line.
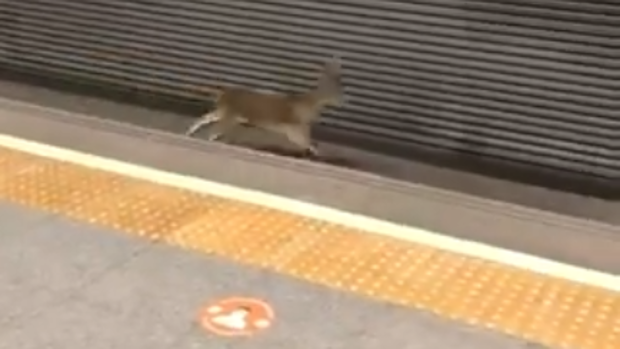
221,126
203,121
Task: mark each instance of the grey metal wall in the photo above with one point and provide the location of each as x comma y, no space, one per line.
526,80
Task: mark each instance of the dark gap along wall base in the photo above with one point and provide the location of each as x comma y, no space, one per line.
528,83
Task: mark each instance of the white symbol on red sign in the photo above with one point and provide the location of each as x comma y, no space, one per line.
237,316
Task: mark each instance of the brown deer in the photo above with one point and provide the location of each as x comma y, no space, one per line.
291,115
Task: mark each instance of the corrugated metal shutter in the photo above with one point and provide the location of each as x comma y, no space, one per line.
525,80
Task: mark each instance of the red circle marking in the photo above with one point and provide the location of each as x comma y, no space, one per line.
237,316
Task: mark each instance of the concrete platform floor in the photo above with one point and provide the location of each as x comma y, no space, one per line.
70,285
402,169
336,277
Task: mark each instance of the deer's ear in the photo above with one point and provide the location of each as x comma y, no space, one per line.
333,64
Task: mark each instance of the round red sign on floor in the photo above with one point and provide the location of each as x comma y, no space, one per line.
237,316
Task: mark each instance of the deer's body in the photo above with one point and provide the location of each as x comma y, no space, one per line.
289,114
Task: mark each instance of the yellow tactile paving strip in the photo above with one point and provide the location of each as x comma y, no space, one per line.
551,311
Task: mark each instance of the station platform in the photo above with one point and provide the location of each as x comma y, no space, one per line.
113,237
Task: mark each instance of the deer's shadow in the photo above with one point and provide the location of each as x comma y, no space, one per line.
324,158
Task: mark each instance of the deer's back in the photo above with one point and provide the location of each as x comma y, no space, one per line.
262,107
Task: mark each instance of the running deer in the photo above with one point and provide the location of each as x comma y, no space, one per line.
291,115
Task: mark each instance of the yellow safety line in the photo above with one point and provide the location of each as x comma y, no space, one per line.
530,297
356,221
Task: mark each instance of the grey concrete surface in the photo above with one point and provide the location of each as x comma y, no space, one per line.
410,171
568,239
67,285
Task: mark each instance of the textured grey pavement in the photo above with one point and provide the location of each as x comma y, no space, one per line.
67,285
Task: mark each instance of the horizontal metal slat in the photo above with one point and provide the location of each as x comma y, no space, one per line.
600,7
454,140
461,49
462,76
80,63
546,17
517,122
273,30
587,158
441,68
567,101
437,120
414,23
377,16
460,10
61,68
